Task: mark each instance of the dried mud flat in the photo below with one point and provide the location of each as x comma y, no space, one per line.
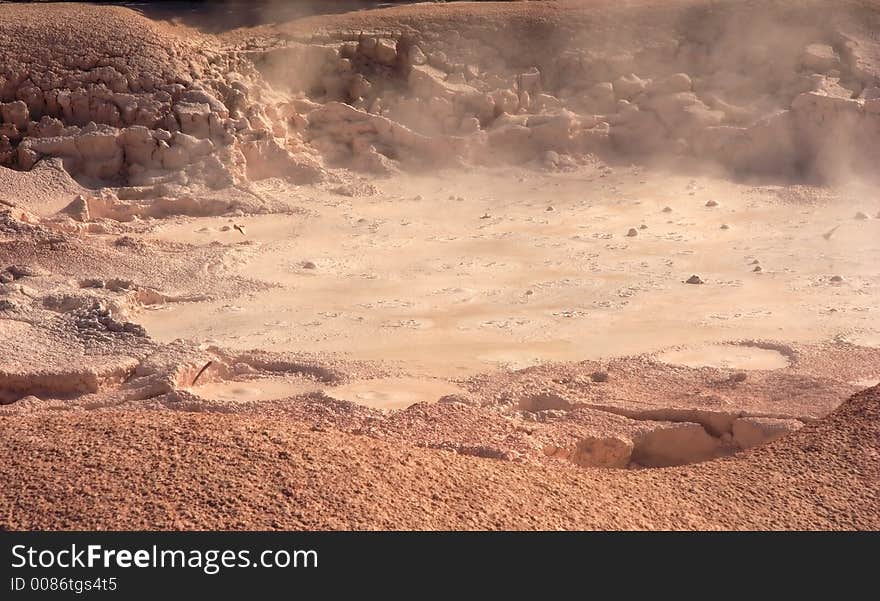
465,265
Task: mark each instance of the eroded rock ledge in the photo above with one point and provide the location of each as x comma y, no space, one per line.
127,101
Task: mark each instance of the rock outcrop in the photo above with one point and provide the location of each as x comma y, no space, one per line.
123,100
799,101
182,110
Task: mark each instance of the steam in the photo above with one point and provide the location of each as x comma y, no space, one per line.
756,89
761,89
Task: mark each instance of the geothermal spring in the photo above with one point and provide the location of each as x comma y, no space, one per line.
591,245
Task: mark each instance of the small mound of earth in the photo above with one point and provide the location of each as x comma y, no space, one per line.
393,393
726,356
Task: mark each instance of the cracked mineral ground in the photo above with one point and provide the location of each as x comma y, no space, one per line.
495,265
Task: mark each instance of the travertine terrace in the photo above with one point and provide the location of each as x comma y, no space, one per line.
444,265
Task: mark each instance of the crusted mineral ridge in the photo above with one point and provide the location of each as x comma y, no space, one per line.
125,100
474,84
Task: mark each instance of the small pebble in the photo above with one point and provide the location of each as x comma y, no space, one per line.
861,216
632,233
837,279
694,279
711,203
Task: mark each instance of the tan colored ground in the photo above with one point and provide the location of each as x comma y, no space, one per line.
287,275
157,470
